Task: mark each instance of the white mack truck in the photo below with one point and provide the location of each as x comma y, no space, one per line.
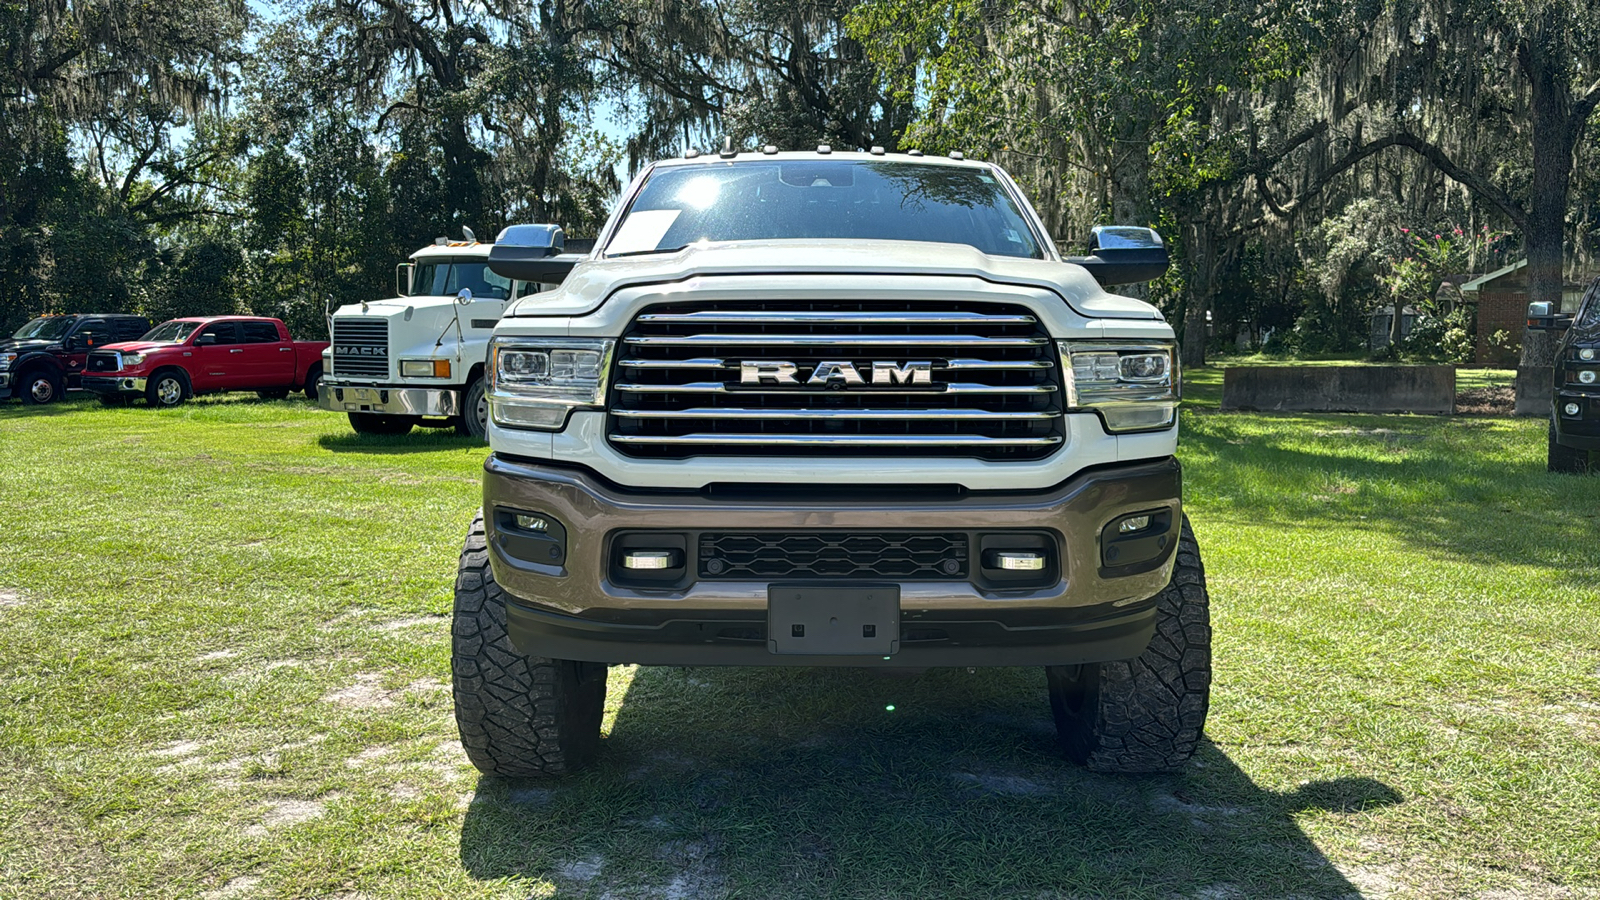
418,358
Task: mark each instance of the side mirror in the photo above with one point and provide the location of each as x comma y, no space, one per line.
402,280
1124,254
465,297
532,253
1542,317
205,340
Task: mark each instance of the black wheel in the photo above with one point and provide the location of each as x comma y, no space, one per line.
1144,714
40,386
519,716
1564,459
274,394
313,382
475,411
381,423
167,388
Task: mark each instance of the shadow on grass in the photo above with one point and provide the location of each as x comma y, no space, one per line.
820,783
418,441
73,402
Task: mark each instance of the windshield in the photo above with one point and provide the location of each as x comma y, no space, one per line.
174,331
446,278
46,328
853,200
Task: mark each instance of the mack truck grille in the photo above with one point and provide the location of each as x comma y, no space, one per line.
361,347
837,379
104,361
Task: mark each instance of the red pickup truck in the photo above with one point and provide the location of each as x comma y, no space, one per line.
184,357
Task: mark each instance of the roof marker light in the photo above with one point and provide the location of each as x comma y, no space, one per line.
824,148
913,152
957,154
769,150
876,151
690,153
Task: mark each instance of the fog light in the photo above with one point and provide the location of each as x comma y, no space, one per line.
1133,523
650,559
1586,353
1570,409
1586,376
1016,561
532,523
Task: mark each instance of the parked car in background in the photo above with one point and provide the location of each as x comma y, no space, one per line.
183,357
46,357
1575,395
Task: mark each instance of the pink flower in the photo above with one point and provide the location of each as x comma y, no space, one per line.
1405,231
1458,231
1436,237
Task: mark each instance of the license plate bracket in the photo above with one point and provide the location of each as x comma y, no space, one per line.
833,620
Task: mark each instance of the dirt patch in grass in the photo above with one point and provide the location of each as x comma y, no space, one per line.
412,622
367,692
10,599
1489,401
243,886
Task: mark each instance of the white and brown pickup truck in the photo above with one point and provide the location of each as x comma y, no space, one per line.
831,409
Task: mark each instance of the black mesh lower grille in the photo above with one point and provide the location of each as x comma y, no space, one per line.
901,556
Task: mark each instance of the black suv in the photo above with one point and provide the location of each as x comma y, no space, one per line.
46,356
1575,407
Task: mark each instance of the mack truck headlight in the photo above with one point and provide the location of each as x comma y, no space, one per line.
1133,385
425,368
537,382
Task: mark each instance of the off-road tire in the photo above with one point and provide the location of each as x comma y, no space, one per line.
313,385
381,423
519,716
1144,714
475,411
166,388
274,394
1564,459
39,386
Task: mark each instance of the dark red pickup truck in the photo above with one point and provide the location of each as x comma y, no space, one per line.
184,357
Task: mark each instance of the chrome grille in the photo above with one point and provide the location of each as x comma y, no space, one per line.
993,388
361,347
104,361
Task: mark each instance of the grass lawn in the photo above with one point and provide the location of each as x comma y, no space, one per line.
225,672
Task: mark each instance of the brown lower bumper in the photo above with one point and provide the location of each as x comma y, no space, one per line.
566,601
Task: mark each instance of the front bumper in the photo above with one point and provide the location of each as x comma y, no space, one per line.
1581,431
344,396
571,607
111,385
5,386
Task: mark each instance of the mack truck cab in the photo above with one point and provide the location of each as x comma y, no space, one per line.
418,358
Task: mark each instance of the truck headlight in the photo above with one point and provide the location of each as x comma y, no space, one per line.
425,368
6,359
1133,385
129,360
537,382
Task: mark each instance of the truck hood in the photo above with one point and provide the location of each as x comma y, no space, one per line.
140,346
593,280
11,345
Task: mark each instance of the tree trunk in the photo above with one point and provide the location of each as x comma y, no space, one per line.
1201,253
1553,137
